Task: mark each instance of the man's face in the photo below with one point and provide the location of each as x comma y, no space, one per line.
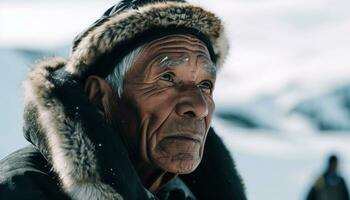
169,93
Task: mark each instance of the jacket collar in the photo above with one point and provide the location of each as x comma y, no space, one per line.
86,154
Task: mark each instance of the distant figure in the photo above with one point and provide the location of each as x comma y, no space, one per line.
330,185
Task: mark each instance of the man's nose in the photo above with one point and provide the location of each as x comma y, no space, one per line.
192,104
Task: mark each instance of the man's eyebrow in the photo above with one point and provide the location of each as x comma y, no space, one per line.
211,69
209,66
167,61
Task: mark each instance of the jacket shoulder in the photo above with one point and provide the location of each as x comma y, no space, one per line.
25,174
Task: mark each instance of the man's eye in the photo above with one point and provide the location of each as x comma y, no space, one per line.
167,77
206,85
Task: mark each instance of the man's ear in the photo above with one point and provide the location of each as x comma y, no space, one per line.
99,92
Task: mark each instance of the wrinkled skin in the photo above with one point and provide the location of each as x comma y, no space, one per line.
166,106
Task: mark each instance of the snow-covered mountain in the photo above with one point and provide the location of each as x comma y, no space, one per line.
328,111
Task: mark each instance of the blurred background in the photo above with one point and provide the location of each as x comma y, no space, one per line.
282,100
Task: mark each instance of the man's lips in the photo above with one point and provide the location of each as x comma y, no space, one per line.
186,137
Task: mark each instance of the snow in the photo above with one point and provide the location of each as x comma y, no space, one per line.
281,165
329,111
288,60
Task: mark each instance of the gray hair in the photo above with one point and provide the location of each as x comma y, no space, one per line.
116,77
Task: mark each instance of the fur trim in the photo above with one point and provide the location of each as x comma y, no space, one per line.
75,139
103,37
71,151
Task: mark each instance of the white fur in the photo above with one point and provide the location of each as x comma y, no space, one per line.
79,181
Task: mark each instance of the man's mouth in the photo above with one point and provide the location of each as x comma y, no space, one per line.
186,137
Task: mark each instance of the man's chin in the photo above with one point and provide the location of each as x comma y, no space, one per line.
181,163
177,155
185,166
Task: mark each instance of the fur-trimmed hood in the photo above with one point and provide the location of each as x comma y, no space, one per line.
71,134
87,155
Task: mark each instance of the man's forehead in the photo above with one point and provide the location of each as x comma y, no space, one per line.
173,50
177,43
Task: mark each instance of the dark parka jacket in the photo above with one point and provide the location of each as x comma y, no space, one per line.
74,153
329,186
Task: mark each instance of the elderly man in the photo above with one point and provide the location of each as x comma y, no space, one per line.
128,115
